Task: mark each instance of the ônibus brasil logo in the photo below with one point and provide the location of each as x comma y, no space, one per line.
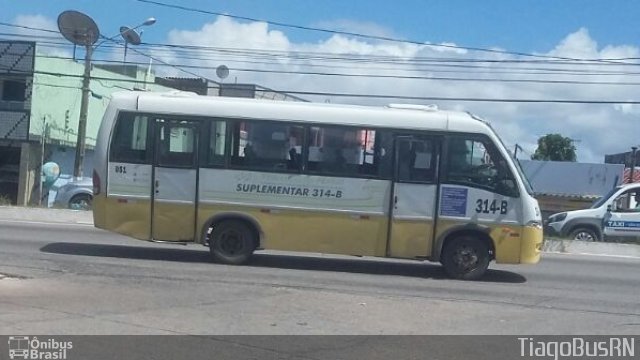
32,348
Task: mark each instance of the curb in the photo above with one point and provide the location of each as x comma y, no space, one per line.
591,248
46,215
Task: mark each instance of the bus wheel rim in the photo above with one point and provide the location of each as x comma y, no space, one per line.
465,257
231,242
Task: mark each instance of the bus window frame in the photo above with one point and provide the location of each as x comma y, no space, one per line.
195,124
389,131
150,138
439,142
205,138
230,146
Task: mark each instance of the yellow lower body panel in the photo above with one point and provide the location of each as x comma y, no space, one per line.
410,239
513,244
174,222
131,217
532,240
517,244
507,242
99,206
309,231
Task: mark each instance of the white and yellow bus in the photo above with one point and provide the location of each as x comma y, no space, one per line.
237,175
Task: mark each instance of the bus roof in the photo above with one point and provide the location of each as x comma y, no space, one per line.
403,116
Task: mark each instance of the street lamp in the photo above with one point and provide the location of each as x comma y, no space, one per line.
80,29
131,36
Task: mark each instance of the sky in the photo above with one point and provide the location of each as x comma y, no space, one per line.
584,50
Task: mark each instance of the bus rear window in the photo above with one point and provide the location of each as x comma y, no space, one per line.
129,140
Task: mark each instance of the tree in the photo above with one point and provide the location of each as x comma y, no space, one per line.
555,147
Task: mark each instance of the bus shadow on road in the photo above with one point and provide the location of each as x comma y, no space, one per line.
128,252
425,270
277,261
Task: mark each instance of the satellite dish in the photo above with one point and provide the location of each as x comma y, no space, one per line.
130,35
78,28
222,71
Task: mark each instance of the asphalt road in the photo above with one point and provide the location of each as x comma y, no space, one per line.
74,279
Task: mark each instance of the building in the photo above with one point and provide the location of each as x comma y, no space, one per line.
40,109
16,80
563,186
622,158
626,158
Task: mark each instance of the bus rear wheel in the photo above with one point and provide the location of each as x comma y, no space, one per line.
465,258
232,242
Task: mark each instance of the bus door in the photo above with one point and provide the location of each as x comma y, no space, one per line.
175,174
414,196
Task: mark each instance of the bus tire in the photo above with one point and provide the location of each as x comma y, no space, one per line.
465,258
232,242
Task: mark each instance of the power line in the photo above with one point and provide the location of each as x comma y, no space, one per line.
365,95
429,68
359,35
359,58
339,56
376,96
381,76
29,27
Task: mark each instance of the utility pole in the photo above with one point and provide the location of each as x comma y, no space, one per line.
84,108
42,140
633,163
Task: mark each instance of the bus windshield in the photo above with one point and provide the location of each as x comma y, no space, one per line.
524,177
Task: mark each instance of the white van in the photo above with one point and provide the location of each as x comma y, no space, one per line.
595,223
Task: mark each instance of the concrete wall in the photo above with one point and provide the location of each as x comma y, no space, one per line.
56,99
65,157
29,176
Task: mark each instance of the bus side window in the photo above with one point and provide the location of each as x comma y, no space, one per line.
416,160
345,151
267,146
129,141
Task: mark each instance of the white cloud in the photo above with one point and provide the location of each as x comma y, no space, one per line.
40,22
576,45
225,32
600,129
36,22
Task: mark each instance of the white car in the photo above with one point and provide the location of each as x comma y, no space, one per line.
76,194
611,215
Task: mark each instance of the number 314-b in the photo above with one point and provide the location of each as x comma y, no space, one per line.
486,207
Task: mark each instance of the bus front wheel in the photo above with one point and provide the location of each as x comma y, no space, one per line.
232,242
465,258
